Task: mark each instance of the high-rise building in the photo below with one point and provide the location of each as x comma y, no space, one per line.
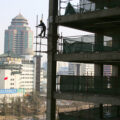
43,81
27,80
81,69
107,70
62,68
19,37
87,69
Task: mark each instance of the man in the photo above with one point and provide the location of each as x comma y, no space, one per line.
43,30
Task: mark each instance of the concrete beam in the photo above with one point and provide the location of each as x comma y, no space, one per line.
99,42
87,57
98,22
88,16
98,70
92,98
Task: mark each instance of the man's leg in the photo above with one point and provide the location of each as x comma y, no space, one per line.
44,32
41,33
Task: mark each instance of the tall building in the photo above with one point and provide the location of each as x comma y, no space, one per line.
43,81
19,37
87,69
107,70
62,68
81,69
16,73
100,17
27,80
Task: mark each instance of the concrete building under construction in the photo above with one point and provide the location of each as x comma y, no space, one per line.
100,17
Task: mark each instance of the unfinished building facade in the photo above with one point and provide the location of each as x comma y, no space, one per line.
100,17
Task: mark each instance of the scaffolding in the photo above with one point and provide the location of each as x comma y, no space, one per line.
38,50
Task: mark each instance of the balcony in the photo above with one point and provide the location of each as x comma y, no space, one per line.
89,85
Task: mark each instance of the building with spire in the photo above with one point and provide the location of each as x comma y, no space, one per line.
17,63
19,37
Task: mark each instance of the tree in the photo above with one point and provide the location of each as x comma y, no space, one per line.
4,106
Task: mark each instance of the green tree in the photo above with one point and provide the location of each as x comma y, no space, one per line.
4,106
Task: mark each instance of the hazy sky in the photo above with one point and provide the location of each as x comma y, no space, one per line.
29,9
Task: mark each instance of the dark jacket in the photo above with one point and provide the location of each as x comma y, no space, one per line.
42,25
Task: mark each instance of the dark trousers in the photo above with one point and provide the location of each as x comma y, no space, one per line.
43,32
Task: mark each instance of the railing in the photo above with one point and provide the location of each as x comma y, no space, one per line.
88,84
67,7
85,43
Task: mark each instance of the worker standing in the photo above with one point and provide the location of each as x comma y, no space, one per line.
43,28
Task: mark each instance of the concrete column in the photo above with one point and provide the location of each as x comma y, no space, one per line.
118,111
51,72
115,82
38,69
98,70
101,111
99,5
115,69
99,42
78,69
116,41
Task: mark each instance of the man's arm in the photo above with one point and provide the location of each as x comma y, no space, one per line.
39,25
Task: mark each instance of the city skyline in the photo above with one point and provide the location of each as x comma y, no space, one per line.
28,8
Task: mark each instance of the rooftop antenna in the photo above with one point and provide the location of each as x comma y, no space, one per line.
19,12
36,33
42,17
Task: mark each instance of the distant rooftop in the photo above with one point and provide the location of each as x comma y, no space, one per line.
9,54
19,19
20,16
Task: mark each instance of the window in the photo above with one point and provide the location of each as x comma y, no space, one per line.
12,79
12,84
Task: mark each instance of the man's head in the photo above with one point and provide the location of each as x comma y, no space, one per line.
40,21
